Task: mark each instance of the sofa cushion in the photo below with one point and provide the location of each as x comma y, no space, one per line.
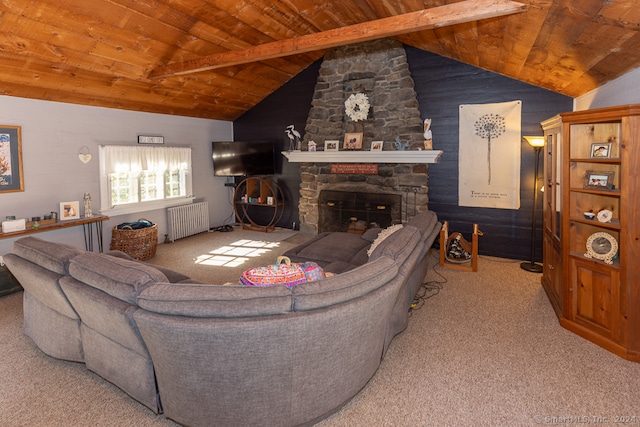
344,287
371,234
172,276
329,247
215,301
120,278
398,245
424,222
339,267
52,256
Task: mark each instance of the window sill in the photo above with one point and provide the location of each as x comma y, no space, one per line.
146,206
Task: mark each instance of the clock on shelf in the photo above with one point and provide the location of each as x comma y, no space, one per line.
602,246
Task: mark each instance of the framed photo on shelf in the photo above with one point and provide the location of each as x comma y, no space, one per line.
601,150
352,141
376,145
599,180
331,145
11,175
69,210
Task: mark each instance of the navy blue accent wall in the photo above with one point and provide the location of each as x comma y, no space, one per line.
442,85
268,120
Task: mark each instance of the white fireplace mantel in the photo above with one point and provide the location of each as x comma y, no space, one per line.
406,156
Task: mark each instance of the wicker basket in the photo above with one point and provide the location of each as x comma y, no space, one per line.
140,244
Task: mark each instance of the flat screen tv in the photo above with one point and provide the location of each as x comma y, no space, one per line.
242,158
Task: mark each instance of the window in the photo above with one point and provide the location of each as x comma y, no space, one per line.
135,179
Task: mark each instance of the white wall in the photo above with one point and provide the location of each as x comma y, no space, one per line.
53,135
621,91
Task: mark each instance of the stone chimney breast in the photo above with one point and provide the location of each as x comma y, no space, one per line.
379,69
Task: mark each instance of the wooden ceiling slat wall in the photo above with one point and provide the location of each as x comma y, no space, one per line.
101,53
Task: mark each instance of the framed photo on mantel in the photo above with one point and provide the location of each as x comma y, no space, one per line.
352,141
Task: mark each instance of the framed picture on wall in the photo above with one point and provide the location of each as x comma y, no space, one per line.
376,145
11,175
69,210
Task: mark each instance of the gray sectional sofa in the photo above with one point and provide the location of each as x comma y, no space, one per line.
227,355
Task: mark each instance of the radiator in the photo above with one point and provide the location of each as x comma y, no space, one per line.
187,220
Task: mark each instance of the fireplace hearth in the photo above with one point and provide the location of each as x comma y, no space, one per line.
355,212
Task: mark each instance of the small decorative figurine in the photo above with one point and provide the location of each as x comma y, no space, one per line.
428,139
294,138
400,145
88,213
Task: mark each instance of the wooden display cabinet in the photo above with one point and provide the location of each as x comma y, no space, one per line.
597,293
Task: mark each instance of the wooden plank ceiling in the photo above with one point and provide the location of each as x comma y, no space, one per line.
102,52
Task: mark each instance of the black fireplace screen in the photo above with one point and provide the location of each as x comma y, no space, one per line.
355,212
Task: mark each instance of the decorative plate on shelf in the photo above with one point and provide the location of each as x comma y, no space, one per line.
602,246
605,215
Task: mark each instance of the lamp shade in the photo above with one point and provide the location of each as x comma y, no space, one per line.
535,141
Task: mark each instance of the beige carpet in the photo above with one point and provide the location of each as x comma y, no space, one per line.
221,257
486,350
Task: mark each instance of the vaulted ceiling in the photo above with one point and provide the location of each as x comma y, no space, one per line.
103,52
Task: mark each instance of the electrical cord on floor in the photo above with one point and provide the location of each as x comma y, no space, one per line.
428,289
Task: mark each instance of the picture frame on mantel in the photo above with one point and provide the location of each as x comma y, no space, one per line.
69,210
353,141
331,145
11,174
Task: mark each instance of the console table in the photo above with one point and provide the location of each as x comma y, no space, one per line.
86,223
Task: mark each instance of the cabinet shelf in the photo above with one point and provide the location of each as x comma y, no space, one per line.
597,160
580,255
613,225
610,193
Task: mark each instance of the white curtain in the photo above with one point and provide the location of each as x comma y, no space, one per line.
489,155
131,158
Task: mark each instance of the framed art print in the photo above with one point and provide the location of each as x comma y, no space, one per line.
11,174
352,141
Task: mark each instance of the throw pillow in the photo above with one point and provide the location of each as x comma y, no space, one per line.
371,234
383,235
284,272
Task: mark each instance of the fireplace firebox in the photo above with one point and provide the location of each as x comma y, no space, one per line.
355,212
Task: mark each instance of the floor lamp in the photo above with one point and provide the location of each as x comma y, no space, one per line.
537,142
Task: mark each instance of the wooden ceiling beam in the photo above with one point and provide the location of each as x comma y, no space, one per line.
454,13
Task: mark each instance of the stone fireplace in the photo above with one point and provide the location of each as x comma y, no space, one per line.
380,70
